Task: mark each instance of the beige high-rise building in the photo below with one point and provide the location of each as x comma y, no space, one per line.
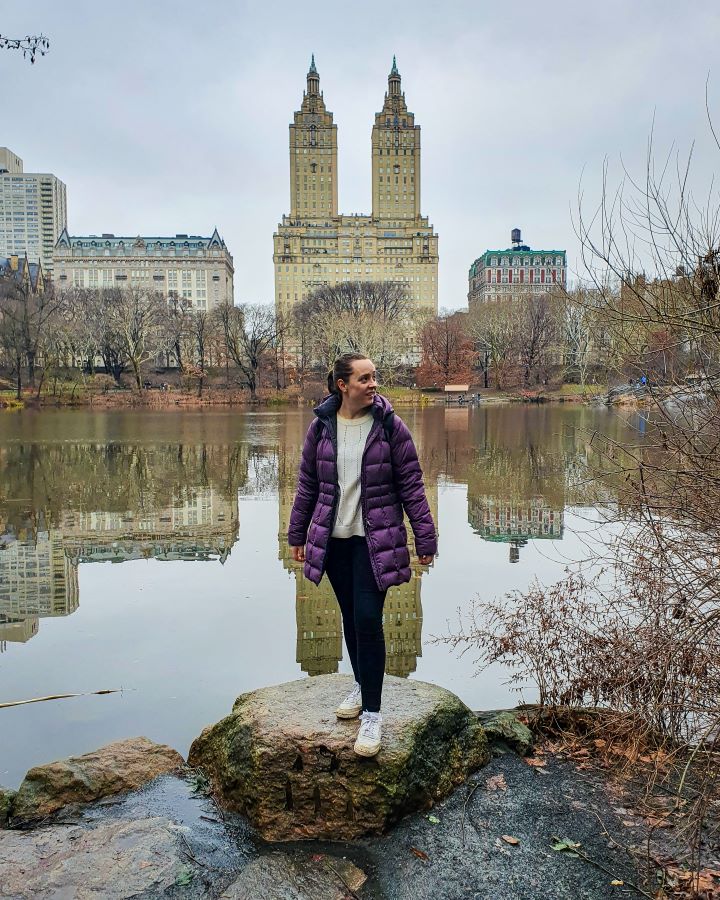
33,211
315,245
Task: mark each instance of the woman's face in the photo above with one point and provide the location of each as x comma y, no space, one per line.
361,387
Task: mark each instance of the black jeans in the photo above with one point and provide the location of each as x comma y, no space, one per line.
361,604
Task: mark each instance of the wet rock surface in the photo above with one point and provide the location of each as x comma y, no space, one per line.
164,840
121,766
284,876
453,851
283,759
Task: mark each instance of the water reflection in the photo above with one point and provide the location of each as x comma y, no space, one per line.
118,498
68,504
191,609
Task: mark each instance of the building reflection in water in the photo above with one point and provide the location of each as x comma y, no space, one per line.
319,624
516,484
144,503
65,504
36,580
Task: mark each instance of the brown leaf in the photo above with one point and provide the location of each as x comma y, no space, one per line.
616,882
509,839
496,783
420,854
599,742
144,864
535,762
656,822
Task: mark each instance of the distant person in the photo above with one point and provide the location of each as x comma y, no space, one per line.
359,470
643,381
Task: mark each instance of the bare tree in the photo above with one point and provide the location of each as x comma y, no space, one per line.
135,319
250,331
582,334
178,327
447,350
26,317
536,330
30,45
370,317
202,330
492,327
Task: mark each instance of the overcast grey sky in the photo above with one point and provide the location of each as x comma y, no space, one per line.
165,117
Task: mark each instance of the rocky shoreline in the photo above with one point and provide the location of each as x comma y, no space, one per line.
132,820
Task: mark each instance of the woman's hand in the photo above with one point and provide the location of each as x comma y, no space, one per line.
298,554
425,560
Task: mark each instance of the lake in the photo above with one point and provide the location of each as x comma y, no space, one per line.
146,552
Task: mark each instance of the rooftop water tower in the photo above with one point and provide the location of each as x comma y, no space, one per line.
515,237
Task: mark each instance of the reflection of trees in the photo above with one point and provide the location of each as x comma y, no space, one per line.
66,503
115,477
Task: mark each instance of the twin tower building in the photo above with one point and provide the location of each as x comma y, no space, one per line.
315,245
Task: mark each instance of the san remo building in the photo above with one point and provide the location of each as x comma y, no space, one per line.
315,245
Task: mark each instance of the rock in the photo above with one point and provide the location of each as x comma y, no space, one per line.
122,766
279,876
285,761
505,727
7,798
116,860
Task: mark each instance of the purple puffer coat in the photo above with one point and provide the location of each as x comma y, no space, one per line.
390,478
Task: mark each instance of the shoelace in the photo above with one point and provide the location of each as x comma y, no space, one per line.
370,725
353,696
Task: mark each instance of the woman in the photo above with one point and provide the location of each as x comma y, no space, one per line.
359,470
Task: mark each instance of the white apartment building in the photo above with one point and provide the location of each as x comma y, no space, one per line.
33,211
199,269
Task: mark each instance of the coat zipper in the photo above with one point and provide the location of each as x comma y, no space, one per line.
363,483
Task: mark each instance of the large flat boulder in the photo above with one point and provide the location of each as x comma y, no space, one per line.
121,766
284,760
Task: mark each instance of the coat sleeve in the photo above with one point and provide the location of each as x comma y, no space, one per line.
409,483
307,491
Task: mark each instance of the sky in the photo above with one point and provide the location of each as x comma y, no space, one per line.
172,117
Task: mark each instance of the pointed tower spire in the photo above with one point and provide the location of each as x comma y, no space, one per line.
394,81
313,79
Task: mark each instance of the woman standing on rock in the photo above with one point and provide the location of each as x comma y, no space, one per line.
359,470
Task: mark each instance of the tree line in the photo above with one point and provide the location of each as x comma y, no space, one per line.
636,326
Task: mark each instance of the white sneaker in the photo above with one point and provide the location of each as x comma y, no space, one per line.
368,739
352,705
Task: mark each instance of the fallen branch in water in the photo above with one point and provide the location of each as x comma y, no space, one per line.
57,697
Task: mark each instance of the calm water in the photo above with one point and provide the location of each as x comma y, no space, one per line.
146,551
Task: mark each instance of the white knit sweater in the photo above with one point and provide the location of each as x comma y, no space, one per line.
351,437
